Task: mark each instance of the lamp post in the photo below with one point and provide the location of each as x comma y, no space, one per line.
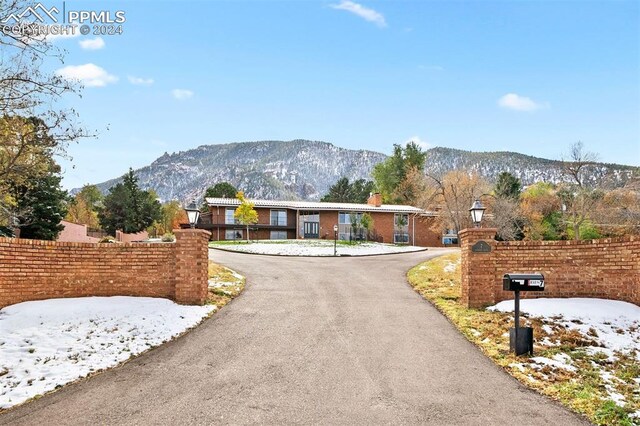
335,240
193,214
477,210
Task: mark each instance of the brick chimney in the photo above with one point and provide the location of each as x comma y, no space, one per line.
375,199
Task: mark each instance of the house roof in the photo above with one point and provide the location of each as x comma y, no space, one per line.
310,205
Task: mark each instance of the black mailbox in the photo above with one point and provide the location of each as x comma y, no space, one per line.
523,282
521,338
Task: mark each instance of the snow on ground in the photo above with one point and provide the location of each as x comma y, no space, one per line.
451,267
560,360
231,280
315,248
616,324
45,344
612,327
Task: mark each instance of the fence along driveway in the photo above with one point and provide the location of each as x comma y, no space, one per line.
312,340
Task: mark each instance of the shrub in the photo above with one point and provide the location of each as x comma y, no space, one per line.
168,238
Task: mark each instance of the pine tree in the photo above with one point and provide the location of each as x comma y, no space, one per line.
339,192
44,204
344,192
128,208
508,186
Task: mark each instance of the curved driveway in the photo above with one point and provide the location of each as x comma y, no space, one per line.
312,340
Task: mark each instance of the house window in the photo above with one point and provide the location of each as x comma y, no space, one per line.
233,234
349,226
401,228
279,217
278,235
229,219
449,236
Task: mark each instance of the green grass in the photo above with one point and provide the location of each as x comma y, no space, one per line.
583,391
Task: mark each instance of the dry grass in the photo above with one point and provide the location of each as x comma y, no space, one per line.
224,285
586,390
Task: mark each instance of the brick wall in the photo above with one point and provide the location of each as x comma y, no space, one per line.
35,270
607,268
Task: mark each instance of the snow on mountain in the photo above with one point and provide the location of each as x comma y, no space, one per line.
304,170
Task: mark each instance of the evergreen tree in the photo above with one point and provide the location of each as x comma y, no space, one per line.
339,192
360,190
221,190
508,186
344,192
128,208
43,202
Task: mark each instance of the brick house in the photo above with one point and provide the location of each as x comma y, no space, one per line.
315,220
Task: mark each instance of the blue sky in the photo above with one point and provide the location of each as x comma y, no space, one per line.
531,77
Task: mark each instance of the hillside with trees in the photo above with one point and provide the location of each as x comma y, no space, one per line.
304,170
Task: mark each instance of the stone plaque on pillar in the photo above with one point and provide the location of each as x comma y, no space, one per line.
481,247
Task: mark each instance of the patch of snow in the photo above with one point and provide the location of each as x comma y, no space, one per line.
450,267
557,361
592,350
220,284
517,365
615,396
616,324
547,328
316,248
46,344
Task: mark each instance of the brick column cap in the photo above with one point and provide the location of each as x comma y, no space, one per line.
478,233
191,231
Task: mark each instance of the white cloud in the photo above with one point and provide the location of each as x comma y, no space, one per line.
361,11
92,43
139,81
520,103
182,94
422,144
90,75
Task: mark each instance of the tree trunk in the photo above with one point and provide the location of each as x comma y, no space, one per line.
247,233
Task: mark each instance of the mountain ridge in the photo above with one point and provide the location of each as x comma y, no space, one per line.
303,169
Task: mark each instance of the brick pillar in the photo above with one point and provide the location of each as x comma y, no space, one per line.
477,267
192,261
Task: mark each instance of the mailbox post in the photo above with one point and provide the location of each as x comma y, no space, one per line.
521,338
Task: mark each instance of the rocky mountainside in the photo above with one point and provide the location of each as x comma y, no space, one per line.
525,167
304,170
295,170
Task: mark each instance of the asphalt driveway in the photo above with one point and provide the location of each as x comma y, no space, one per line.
312,340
